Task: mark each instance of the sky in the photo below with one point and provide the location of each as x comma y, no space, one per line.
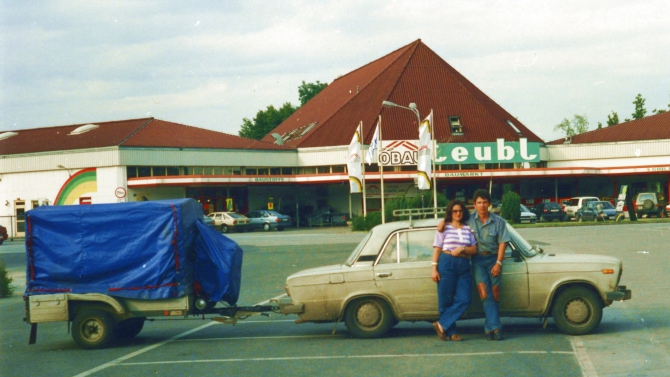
210,64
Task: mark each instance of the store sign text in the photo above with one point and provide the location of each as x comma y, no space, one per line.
498,152
277,179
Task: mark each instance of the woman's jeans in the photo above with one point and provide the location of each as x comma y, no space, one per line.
481,268
454,290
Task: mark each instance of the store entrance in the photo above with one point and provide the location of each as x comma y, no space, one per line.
220,199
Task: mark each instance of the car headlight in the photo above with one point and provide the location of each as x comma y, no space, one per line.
286,289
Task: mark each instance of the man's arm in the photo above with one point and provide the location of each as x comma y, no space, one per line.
497,268
441,226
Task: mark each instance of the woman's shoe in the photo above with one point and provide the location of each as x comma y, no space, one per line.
440,333
456,338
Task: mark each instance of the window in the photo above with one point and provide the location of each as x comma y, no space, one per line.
159,171
131,171
207,170
275,171
263,171
339,169
172,170
217,170
197,170
409,246
456,126
323,169
250,171
287,171
144,171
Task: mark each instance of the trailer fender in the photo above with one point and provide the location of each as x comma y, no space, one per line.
112,305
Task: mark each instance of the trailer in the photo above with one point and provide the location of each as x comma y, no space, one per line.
106,269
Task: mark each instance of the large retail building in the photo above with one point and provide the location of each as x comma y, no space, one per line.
301,166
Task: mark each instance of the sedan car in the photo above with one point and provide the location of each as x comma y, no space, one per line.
548,211
268,220
527,217
387,278
227,221
596,211
208,221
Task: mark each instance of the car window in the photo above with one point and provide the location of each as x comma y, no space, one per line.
252,214
409,246
590,200
524,208
234,215
552,205
574,202
210,215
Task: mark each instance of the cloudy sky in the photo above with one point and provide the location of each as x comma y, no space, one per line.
211,63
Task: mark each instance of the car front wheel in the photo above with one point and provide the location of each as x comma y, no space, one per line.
577,311
224,228
368,318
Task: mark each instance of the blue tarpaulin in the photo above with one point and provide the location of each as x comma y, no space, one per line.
143,250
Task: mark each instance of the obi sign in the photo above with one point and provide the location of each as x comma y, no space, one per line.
498,152
404,152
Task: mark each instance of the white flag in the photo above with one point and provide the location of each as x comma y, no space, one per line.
374,143
354,164
425,153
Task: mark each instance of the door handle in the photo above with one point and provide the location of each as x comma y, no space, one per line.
384,274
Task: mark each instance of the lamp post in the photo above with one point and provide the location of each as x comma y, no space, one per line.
412,108
63,167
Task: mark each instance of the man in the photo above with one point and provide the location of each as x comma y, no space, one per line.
491,234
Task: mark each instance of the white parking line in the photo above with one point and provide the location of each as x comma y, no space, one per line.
264,337
347,357
588,370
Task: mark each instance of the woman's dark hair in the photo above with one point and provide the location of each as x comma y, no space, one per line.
450,207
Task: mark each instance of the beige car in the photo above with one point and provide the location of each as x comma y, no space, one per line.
227,221
387,279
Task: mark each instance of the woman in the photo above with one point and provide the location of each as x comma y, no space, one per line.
451,269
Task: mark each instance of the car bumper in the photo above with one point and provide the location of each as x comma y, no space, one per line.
287,306
621,294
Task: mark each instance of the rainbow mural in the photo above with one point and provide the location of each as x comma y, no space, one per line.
82,182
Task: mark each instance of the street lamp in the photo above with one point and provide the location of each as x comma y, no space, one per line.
63,167
412,108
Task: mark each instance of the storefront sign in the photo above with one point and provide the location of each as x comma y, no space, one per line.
270,179
479,153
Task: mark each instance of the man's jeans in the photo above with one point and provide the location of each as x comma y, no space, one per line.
481,268
454,290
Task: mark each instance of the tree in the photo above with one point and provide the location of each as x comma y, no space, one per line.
265,121
639,107
613,119
511,207
660,111
308,90
579,124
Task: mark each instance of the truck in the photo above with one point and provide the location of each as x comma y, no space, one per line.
106,269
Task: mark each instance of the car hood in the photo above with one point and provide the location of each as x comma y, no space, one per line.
528,214
571,262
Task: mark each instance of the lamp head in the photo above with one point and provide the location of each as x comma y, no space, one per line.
412,106
388,104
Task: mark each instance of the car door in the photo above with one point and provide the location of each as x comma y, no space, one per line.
514,290
403,273
254,219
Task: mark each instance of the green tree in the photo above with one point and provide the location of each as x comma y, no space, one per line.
265,121
612,119
511,207
308,90
640,111
579,124
660,111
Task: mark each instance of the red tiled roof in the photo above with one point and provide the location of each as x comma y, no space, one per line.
145,132
413,73
653,127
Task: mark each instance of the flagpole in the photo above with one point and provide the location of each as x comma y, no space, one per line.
432,140
365,211
381,169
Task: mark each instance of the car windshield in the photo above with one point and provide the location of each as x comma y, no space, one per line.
354,254
524,208
235,215
273,213
526,248
552,205
606,205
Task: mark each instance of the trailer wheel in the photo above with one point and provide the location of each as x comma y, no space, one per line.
129,328
92,329
577,311
368,317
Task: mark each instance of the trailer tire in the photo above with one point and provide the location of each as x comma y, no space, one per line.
129,328
368,318
92,329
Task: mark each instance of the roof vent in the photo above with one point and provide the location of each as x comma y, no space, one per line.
83,129
7,135
513,126
456,126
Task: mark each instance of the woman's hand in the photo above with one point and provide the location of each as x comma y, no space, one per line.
435,275
457,251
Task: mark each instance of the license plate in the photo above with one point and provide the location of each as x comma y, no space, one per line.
525,221
554,210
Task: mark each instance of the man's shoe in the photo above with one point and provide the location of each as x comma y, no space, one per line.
489,335
497,335
440,333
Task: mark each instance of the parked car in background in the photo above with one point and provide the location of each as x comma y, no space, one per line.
527,217
650,204
227,221
387,279
596,211
495,206
327,217
268,220
208,221
576,203
3,234
548,211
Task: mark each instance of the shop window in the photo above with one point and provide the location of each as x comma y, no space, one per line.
159,171
339,169
308,170
217,170
249,171
275,171
197,170
131,171
287,171
207,170
144,171
188,170
36,203
470,167
507,166
407,168
263,171
323,169
172,170
451,167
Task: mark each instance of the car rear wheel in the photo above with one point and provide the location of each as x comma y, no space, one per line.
368,317
579,219
224,228
92,329
577,311
266,227
543,219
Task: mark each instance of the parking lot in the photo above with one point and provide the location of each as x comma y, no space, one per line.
631,340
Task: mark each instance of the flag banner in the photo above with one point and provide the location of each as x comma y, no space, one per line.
354,165
425,153
374,143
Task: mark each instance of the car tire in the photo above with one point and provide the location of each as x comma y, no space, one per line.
368,318
577,311
224,228
129,328
543,219
92,329
579,219
648,205
266,227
